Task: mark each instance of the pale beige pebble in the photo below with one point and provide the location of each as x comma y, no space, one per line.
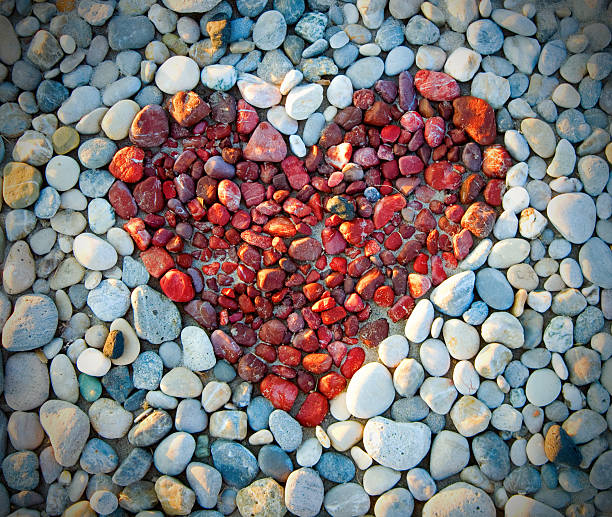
19,269
261,437
33,148
96,336
523,506
181,382
329,113
80,509
535,450
65,478
67,43
215,395
118,119
322,437
73,199
502,384
68,222
344,435
229,425
77,485
91,123
361,458
554,283
92,279
147,71
337,407
109,418
378,479
92,362
68,273
114,272
470,416
474,476
131,347
518,307
64,307
369,49
65,243
539,136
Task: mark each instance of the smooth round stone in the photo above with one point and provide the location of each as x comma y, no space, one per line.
118,119
491,88
430,58
572,125
156,318
181,382
219,77
90,387
365,72
309,452
258,92
98,457
398,59
465,378
236,464
97,152
573,215
594,174
450,453
419,322
286,430
434,357
93,252
346,499
453,296
24,430
335,467
462,64
494,289
508,252
174,453
269,31
370,391
198,352
20,470
63,379
62,172
302,101
543,386
461,339
504,328
392,350
340,91
439,393
278,117
408,376
179,73
540,136
485,37
93,362
110,300
32,324
148,370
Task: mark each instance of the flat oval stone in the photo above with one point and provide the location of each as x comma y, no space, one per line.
174,453
93,252
68,429
32,324
460,499
179,73
573,215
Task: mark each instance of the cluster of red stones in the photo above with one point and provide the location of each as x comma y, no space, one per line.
227,227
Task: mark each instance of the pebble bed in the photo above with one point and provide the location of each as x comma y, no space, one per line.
322,257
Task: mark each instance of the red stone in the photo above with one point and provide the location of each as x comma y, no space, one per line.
368,283
317,363
177,286
138,232
378,115
148,195
476,117
386,208
354,360
401,309
407,96
265,145
253,193
470,188
366,157
410,164
279,391
121,199
494,192
157,261
339,155
496,161
442,176
424,221
187,108
356,231
149,127
306,249
479,219
332,384
412,121
270,279
373,332
418,285
363,99
313,410
247,118
203,312
434,131
383,296
438,275
436,86
229,195
462,243
295,171
127,164
337,350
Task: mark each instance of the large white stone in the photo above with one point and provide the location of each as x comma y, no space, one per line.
543,386
370,391
177,74
573,215
303,101
198,353
93,252
419,322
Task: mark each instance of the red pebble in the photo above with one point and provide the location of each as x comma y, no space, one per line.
386,207
436,86
279,391
127,164
434,131
317,363
418,285
442,176
177,286
157,261
401,309
410,164
313,410
354,360
265,145
462,243
247,117
496,161
295,171
332,384
121,199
